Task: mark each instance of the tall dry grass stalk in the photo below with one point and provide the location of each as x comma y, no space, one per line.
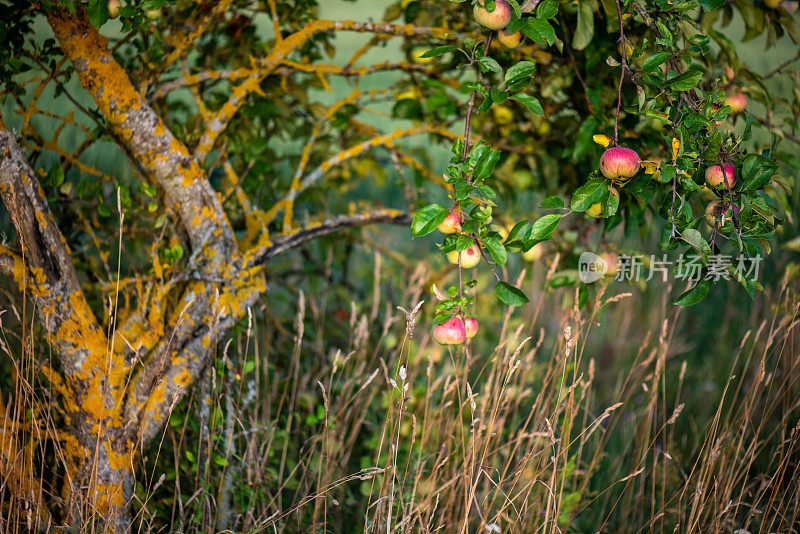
374,428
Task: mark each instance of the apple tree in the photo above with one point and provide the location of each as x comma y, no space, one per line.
155,156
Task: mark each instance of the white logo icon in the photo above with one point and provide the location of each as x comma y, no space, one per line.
591,267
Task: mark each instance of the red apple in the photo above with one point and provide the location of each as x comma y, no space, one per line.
451,223
471,327
716,180
509,40
497,19
469,257
619,163
450,332
737,102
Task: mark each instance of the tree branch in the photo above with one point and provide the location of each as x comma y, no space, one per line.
144,135
75,333
285,242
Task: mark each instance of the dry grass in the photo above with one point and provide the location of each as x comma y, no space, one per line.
356,421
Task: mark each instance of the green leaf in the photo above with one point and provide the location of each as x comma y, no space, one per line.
695,294
485,165
487,63
651,64
547,9
686,81
428,218
498,96
55,176
509,294
588,194
711,5
551,203
695,239
515,6
438,51
757,171
519,70
585,29
545,226
539,31
496,250
98,12
520,231
694,120
529,102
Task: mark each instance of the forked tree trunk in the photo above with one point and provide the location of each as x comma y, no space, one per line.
100,489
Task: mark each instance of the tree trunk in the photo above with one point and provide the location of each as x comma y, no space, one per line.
100,484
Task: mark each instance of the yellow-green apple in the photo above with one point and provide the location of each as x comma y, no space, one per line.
716,179
497,19
450,332
509,40
596,210
469,257
772,4
418,52
619,163
503,114
470,327
451,223
737,102
113,8
534,253
154,14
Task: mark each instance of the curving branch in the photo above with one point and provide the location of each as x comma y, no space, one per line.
282,243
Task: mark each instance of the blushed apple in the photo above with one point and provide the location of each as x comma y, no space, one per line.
497,19
717,180
470,327
737,102
619,163
612,263
113,8
451,223
450,332
469,257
